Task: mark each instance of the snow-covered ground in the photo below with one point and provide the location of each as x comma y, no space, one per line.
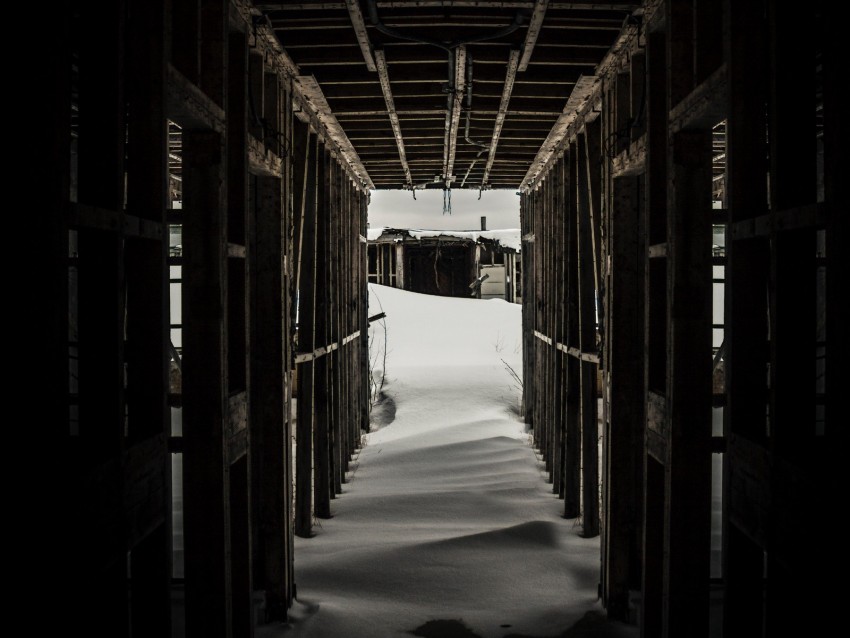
446,515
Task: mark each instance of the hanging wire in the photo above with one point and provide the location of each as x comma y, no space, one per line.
447,201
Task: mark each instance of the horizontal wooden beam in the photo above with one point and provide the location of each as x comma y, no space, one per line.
306,357
632,161
534,26
510,75
441,4
82,216
381,66
703,107
589,357
262,161
359,25
188,106
798,218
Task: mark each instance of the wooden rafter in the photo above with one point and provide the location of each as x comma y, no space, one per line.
534,27
381,65
360,31
453,116
503,110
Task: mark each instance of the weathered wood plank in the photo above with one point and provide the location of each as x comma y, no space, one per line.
204,384
270,473
624,338
689,387
306,331
572,481
322,396
587,341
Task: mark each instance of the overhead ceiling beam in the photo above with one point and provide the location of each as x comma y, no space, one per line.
474,4
381,65
360,31
453,115
513,62
311,93
534,27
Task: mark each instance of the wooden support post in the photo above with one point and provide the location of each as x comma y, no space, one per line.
147,314
101,546
572,462
687,515
238,328
680,49
335,327
708,40
215,20
185,38
625,419
270,473
745,310
560,336
587,343
557,333
363,316
796,447
47,327
206,494
546,325
655,331
275,118
322,394
256,97
637,90
306,331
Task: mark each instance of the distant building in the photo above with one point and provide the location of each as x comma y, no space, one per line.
480,264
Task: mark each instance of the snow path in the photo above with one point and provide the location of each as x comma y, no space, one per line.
446,515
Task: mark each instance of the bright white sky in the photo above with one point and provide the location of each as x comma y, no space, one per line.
446,513
399,210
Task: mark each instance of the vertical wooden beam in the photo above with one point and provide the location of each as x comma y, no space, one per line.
185,38
238,321
215,19
708,39
336,333
680,50
836,316
48,73
306,338
560,335
100,315
147,313
321,386
638,90
572,481
256,107
557,333
587,343
655,328
274,116
206,494
624,427
745,300
689,387
269,369
797,449
101,262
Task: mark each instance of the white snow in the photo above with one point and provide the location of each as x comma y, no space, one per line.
507,237
446,514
